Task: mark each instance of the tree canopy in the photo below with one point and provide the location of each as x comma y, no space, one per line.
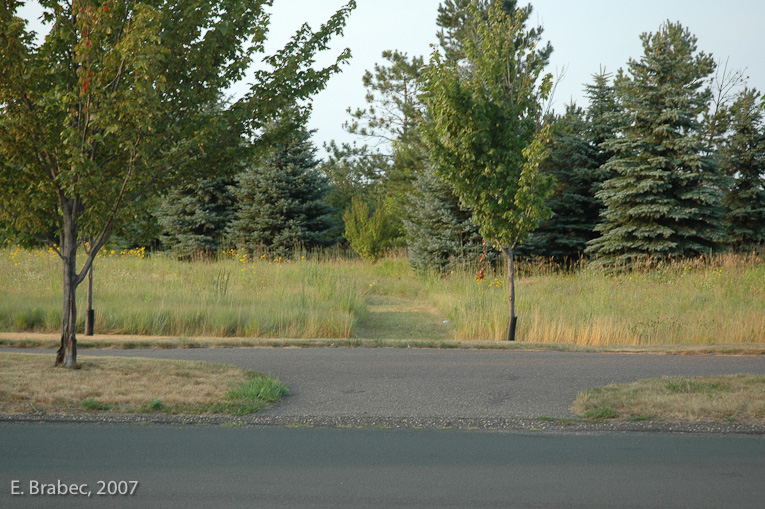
104,112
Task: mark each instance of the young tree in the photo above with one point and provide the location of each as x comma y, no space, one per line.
661,198
280,202
368,231
484,135
104,112
352,171
743,162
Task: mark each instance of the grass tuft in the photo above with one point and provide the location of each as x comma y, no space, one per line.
93,405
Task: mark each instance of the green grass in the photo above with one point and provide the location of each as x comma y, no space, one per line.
698,302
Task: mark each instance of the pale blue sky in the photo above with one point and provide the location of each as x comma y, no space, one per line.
585,35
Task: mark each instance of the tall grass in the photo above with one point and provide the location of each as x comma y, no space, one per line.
717,300
158,295
708,300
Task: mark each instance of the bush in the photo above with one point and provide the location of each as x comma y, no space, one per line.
369,234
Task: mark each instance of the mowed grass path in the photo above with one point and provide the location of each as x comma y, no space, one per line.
391,317
717,301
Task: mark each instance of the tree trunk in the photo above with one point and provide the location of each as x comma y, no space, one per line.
90,316
67,352
66,356
512,319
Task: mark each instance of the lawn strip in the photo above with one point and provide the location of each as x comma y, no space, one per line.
29,384
730,399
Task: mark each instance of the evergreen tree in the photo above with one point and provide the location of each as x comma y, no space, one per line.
573,163
604,118
441,234
743,161
661,198
142,230
352,171
280,203
193,217
577,159
391,124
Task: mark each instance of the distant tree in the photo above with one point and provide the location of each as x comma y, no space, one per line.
193,217
368,230
280,203
577,159
575,209
661,199
141,229
742,156
484,135
117,105
390,127
441,233
352,171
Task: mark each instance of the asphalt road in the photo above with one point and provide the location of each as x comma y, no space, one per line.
274,467
430,383
278,466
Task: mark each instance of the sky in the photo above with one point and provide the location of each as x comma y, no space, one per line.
586,35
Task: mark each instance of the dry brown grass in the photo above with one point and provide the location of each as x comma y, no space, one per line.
30,384
734,398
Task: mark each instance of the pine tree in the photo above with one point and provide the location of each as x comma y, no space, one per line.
743,161
193,217
391,123
661,198
352,171
441,234
280,203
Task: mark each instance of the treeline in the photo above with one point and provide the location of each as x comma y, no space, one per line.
666,160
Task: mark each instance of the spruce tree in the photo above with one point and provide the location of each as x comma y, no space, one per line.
577,159
573,163
280,203
193,217
742,158
441,234
661,199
